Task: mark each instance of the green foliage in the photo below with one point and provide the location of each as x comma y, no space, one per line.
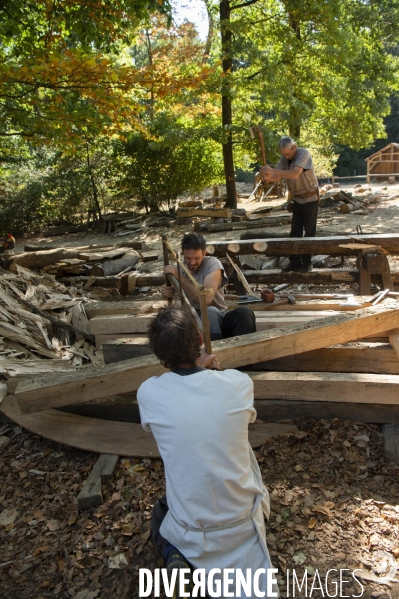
177,160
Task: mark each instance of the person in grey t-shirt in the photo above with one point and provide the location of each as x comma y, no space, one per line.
296,166
209,271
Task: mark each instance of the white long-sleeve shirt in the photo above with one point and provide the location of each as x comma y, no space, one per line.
214,487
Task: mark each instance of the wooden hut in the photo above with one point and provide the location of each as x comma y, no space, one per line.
384,163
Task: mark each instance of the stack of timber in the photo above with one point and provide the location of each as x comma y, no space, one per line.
96,262
44,327
367,396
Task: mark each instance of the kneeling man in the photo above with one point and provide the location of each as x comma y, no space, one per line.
213,512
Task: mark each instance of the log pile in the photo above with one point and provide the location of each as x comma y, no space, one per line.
362,200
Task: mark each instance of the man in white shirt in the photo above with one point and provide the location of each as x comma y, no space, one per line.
209,271
296,166
216,500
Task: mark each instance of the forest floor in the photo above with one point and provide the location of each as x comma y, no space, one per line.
334,497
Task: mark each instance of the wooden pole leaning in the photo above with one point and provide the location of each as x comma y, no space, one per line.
205,320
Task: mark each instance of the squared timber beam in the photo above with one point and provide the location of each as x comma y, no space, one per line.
57,391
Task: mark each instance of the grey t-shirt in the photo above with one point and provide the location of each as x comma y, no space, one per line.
208,266
306,181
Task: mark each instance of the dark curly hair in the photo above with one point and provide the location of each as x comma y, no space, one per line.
193,241
173,336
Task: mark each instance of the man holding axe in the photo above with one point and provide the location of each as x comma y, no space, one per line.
296,166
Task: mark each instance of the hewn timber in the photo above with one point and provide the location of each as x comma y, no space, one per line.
111,437
305,245
318,276
131,306
327,386
279,409
49,392
377,358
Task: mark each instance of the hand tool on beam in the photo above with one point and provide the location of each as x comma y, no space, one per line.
290,299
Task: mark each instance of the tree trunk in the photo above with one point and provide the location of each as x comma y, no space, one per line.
227,65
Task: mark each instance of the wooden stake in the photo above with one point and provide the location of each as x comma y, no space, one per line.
205,321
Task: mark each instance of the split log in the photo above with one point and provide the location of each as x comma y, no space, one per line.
114,267
49,392
306,245
41,258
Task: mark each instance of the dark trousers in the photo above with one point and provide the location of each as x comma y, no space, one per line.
159,512
240,321
304,218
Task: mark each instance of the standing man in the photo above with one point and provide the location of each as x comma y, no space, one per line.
209,271
296,166
212,514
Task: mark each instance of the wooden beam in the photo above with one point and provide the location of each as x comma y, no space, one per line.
115,438
306,245
130,306
321,276
91,493
64,389
280,409
327,386
378,358
204,212
120,323
318,276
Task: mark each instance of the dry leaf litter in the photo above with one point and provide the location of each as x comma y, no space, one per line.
334,500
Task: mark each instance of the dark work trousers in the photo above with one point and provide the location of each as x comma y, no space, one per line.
239,321
159,512
304,218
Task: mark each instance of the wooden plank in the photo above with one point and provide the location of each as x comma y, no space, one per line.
48,392
105,436
306,245
391,442
122,306
327,386
120,323
378,358
91,493
129,306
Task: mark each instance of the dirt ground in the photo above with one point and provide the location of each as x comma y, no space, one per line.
334,497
